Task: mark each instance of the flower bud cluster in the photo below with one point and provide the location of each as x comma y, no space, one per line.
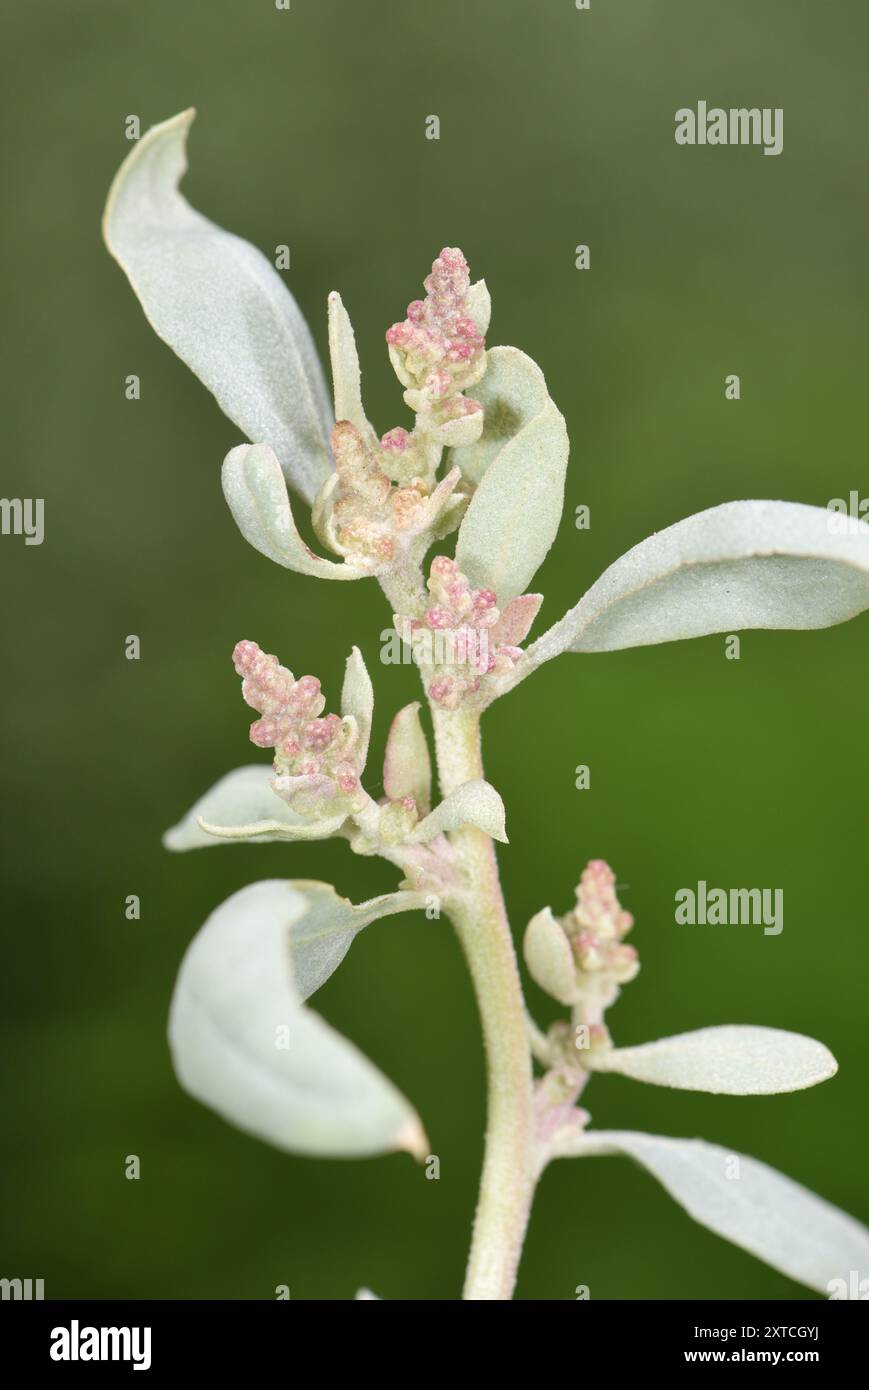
383,494
316,760
379,499
595,929
438,351
463,637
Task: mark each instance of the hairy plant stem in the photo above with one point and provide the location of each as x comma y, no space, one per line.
404,589
480,920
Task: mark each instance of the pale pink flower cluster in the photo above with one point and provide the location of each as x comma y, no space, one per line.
596,928
471,640
378,503
383,494
315,756
438,352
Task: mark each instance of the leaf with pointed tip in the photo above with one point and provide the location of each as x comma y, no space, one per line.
745,1201
357,700
254,487
474,803
549,957
346,377
243,806
734,1060
513,516
407,764
740,565
512,393
245,1044
221,306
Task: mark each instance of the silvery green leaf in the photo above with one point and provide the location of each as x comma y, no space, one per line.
512,393
733,1060
745,1201
346,377
474,803
242,806
478,306
244,1043
367,1295
514,514
740,565
221,306
357,700
254,487
407,764
549,957
321,938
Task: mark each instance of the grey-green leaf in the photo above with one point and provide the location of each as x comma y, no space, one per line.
512,393
734,1060
514,514
321,938
221,306
474,803
243,807
745,1201
357,700
549,957
346,376
256,492
740,565
244,1043
407,763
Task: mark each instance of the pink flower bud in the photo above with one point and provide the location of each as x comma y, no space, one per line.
265,733
243,655
320,732
438,618
442,565
305,697
347,778
396,441
266,685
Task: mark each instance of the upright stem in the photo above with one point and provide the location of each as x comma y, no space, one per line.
478,914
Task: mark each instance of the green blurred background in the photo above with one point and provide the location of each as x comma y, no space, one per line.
556,129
